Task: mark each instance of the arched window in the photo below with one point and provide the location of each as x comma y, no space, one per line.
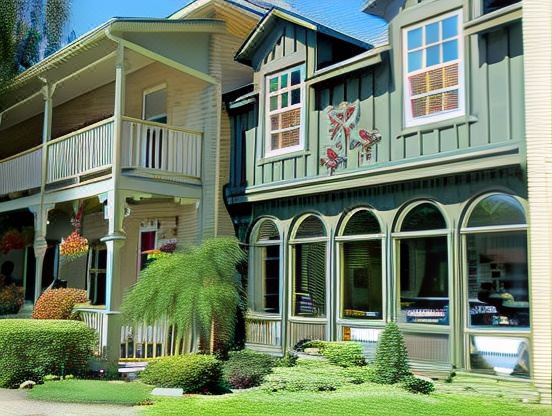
309,247
423,266
496,256
360,244
264,282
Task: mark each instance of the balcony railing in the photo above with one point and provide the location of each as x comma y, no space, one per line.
21,172
164,148
149,149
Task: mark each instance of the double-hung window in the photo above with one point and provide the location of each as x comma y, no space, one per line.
284,111
434,76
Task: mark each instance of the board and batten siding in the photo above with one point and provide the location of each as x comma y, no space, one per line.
494,115
537,30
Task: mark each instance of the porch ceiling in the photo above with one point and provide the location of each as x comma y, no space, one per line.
88,62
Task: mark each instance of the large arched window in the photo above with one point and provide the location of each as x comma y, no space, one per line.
309,248
264,282
360,246
423,266
495,233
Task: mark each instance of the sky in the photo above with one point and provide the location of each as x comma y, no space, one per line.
88,14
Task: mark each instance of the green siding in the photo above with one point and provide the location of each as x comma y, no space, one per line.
494,105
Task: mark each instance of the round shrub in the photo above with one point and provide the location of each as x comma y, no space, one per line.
344,354
414,384
194,373
31,349
58,303
308,375
391,365
246,368
11,299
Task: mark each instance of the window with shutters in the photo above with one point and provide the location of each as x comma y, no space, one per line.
434,76
284,111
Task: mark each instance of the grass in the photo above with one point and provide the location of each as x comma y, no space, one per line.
91,391
365,399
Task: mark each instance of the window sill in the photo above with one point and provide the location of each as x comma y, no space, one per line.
426,128
282,156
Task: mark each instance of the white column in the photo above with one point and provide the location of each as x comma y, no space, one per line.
537,38
115,239
40,213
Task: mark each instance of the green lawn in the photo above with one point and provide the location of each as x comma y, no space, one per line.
366,399
91,391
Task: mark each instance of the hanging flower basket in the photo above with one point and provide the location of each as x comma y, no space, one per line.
73,246
12,240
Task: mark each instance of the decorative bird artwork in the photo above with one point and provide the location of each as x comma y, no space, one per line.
366,140
332,160
344,136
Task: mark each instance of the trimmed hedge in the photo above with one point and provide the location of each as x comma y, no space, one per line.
194,373
58,303
415,384
32,349
341,353
246,368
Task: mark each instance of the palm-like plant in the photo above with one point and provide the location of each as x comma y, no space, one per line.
195,290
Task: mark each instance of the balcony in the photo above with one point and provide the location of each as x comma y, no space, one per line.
148,149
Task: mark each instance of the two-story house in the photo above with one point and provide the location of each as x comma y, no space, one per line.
379,172
120,135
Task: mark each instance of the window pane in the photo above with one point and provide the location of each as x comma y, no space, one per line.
155,107
414,61
274,84
311,227
274,103
498,284
309,289
285,99
414,38
284,81
450,27
362,295
296,77
433,56
296,96
271,279
500,356
268,231
492,5
424,280
432,33
497,210
424,217
363,222
450,51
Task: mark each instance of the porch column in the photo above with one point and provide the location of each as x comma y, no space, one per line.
40,213
537,42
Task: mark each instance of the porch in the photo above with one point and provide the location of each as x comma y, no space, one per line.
149,150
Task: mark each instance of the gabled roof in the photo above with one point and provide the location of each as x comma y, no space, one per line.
342,17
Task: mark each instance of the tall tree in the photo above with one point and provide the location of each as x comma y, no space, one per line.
29,31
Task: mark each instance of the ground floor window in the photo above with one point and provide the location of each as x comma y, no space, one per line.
265,286
309,289
503,356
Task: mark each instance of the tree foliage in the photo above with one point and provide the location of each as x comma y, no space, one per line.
391,365
195,289
29,31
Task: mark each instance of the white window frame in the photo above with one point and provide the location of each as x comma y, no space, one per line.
269,152
409,119
149,91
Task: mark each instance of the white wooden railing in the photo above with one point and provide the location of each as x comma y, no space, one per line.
264,331
159,147
140,342
21,172
85,151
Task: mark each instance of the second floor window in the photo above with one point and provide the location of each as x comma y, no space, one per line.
155,104
284,108
433,83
